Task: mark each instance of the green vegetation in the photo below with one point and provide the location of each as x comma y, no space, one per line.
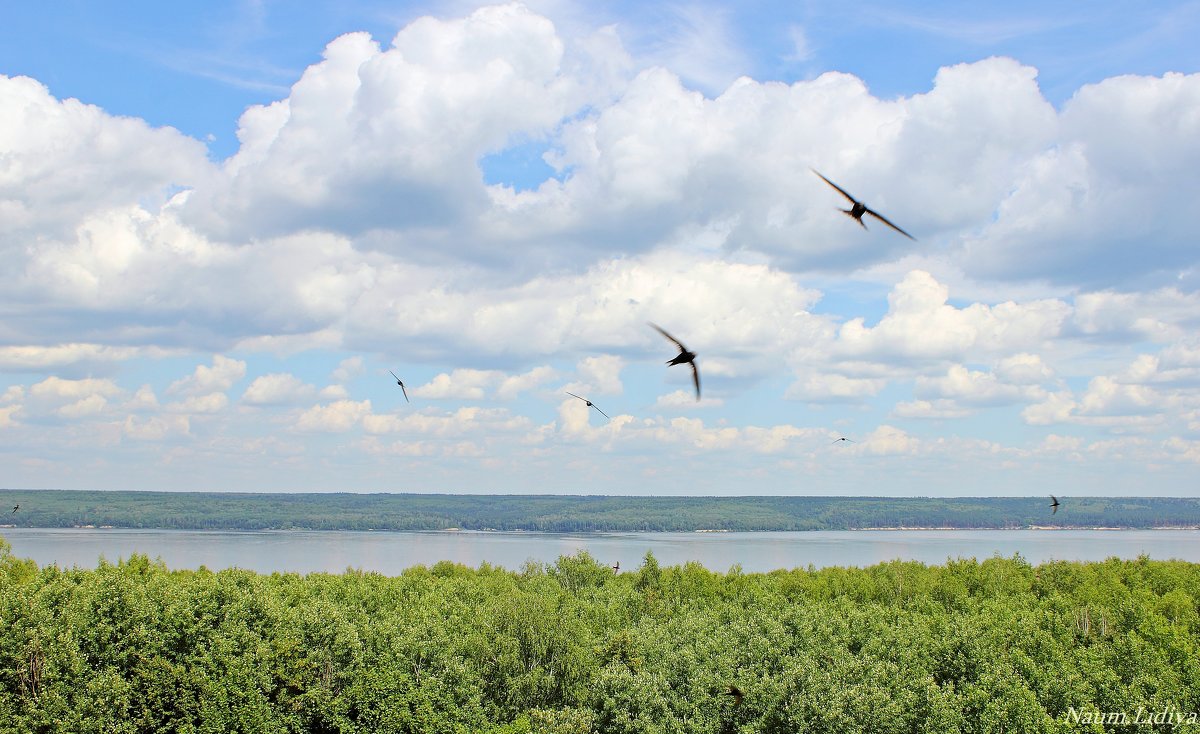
561,513
971,646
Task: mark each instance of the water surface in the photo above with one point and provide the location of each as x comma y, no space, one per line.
393,552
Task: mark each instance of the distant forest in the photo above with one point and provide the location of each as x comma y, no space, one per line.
574,514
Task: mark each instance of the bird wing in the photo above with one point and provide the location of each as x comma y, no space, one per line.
673,339
696,378
403,390
601,412
883,219
574,395
394,375
840,190
737,695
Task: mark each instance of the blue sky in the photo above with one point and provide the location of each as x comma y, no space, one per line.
223,225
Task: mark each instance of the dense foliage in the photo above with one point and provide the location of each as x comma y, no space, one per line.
559,513
971,646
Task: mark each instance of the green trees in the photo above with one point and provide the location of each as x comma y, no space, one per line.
570,648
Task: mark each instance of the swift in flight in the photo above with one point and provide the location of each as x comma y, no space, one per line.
402,389
858,209
1054,505
590,404
684,357
736,693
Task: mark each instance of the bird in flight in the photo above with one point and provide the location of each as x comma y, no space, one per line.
590,404
736,693
684,357
858,209
617,567
1054,505
15,508
402,388
843,438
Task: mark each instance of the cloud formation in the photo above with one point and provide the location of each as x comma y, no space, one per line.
366,222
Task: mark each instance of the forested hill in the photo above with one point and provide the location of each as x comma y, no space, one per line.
563,513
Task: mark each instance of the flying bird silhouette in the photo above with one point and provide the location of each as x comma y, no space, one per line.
843,438
617,567
1054,505
858,209
402,388
684,357
590,404
15,508
736,693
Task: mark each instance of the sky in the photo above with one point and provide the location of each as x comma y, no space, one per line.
224,225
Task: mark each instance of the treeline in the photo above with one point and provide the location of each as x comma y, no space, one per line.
991,646
563,513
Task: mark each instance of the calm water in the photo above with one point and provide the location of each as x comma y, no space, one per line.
390,553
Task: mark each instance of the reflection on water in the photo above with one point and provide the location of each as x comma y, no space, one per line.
390,553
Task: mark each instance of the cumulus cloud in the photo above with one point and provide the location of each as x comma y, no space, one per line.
66,159
156,428
921,325
221,376
278,388
976,388
685,399
599,375
336,417
355,217
37,358
347,370
1073,214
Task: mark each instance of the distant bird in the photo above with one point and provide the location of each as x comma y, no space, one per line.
843,438
684,357
617,567
736,693
858,209
401,384
590,404
15,508
1054,505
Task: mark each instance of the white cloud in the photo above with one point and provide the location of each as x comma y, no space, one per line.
8,415
600,375
685,399
211,403
347,370
829,387
1075,215
56,388
921,325
278,388
91,405
37,358
1023,369
463,384
511,387
336,417
938,409
66,159
156,428
221,376
977,388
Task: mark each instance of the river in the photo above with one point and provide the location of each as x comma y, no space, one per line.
392,552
